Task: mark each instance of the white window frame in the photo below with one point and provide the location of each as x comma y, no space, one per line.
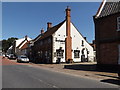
118,23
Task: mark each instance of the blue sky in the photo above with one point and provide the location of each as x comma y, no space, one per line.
28,18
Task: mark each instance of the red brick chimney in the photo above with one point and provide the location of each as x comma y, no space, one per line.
68,40
49,25
42,31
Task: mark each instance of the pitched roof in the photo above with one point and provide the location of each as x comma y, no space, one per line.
18,42
51,30
25,45
39,36
21,43
108,8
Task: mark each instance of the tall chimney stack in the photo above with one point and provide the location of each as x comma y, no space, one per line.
68,39
42,31
68,21
49,25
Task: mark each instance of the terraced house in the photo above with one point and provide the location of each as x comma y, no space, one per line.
62,43
107,34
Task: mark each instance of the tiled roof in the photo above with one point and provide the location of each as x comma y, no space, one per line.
109,8
18,42
37,37
51,30
25,45
21,43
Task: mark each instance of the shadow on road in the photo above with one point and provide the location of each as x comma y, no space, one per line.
88,67
107,76
112,81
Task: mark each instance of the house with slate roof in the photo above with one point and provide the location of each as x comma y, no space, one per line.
107,34
62,43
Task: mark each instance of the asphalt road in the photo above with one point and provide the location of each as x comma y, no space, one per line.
28,76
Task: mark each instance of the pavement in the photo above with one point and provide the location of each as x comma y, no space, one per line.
85,70
29,75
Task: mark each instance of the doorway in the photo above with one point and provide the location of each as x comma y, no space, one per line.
59,52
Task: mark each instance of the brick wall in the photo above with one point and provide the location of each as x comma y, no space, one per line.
108,53
107,39
45,46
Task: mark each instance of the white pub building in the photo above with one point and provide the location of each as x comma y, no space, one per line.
62,43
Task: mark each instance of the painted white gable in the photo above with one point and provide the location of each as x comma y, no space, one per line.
77,38
60,34
20,40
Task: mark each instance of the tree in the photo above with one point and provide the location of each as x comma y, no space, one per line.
7,43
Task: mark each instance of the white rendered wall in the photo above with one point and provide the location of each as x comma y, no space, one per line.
77,38
77,44
60,34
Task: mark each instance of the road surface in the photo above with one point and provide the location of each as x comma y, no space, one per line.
28,76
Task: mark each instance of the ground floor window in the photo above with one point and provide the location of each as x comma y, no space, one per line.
60,53
76,53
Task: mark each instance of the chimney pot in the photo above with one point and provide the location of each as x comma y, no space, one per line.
49,25
68,11
26,37
42,31
85,38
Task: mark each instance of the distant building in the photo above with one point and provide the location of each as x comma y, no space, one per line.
62,43
20,45
107,34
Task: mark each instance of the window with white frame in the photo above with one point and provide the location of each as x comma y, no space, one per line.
118,23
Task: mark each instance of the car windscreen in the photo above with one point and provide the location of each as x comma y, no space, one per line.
23,57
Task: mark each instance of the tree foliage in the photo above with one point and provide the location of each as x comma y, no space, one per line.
7,43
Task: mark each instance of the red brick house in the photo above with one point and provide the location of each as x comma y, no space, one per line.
107,34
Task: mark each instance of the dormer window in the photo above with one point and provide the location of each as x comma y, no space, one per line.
118,24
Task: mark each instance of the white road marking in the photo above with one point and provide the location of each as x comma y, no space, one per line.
45,82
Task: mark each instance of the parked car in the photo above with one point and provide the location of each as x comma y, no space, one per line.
3,55
6,55
22,58
11,56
